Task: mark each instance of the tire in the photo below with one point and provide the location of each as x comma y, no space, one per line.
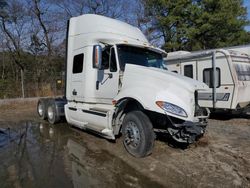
41,109
138,135
52,115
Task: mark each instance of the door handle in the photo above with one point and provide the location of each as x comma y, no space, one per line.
74,92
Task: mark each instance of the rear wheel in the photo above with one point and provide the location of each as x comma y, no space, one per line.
138,134
41,109
52,115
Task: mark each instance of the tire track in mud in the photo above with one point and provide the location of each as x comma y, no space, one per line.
215,164
232,163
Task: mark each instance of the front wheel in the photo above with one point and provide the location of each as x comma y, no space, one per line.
138,134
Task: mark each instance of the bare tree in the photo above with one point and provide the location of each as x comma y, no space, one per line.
40,13
47,33
14,21
110,8
34,33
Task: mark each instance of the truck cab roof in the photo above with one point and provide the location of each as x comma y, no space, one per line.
91,29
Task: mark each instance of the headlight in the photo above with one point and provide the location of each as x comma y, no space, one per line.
171,108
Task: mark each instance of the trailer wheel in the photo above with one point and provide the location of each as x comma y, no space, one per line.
52,115
138,134
41,109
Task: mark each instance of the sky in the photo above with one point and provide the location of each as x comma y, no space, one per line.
247,4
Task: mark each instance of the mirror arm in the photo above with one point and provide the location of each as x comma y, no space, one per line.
110,75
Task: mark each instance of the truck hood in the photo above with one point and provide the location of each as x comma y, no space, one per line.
148,85
169,77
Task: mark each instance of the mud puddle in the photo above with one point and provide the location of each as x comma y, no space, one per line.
34,154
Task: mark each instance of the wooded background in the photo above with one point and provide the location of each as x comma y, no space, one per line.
33,34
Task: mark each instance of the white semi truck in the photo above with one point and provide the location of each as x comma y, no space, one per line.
116,84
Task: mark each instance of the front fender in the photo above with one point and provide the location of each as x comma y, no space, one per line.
147,97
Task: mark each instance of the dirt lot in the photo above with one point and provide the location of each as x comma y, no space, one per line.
36,154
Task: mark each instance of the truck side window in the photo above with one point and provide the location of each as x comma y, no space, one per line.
105,58
188,71
78,63
208,77
113,65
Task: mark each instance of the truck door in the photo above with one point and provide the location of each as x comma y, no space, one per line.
108,78
77,76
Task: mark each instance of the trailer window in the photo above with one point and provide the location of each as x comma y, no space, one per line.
188,71
78,63
243,71
208,77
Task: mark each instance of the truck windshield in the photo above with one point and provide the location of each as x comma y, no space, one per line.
139,56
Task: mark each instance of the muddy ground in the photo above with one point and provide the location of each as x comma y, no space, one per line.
36,154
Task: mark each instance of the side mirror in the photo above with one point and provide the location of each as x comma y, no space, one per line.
97,57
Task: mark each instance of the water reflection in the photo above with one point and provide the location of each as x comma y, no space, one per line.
33,157
101,169
39,155
4,137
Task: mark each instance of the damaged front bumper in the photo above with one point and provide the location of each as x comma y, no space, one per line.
187,132
183,131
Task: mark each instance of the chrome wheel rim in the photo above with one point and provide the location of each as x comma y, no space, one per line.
40,109
132,135
50,112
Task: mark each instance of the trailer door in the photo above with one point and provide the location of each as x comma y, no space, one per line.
224,82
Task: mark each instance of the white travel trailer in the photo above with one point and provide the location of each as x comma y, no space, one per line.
116,83
226,72
243,49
